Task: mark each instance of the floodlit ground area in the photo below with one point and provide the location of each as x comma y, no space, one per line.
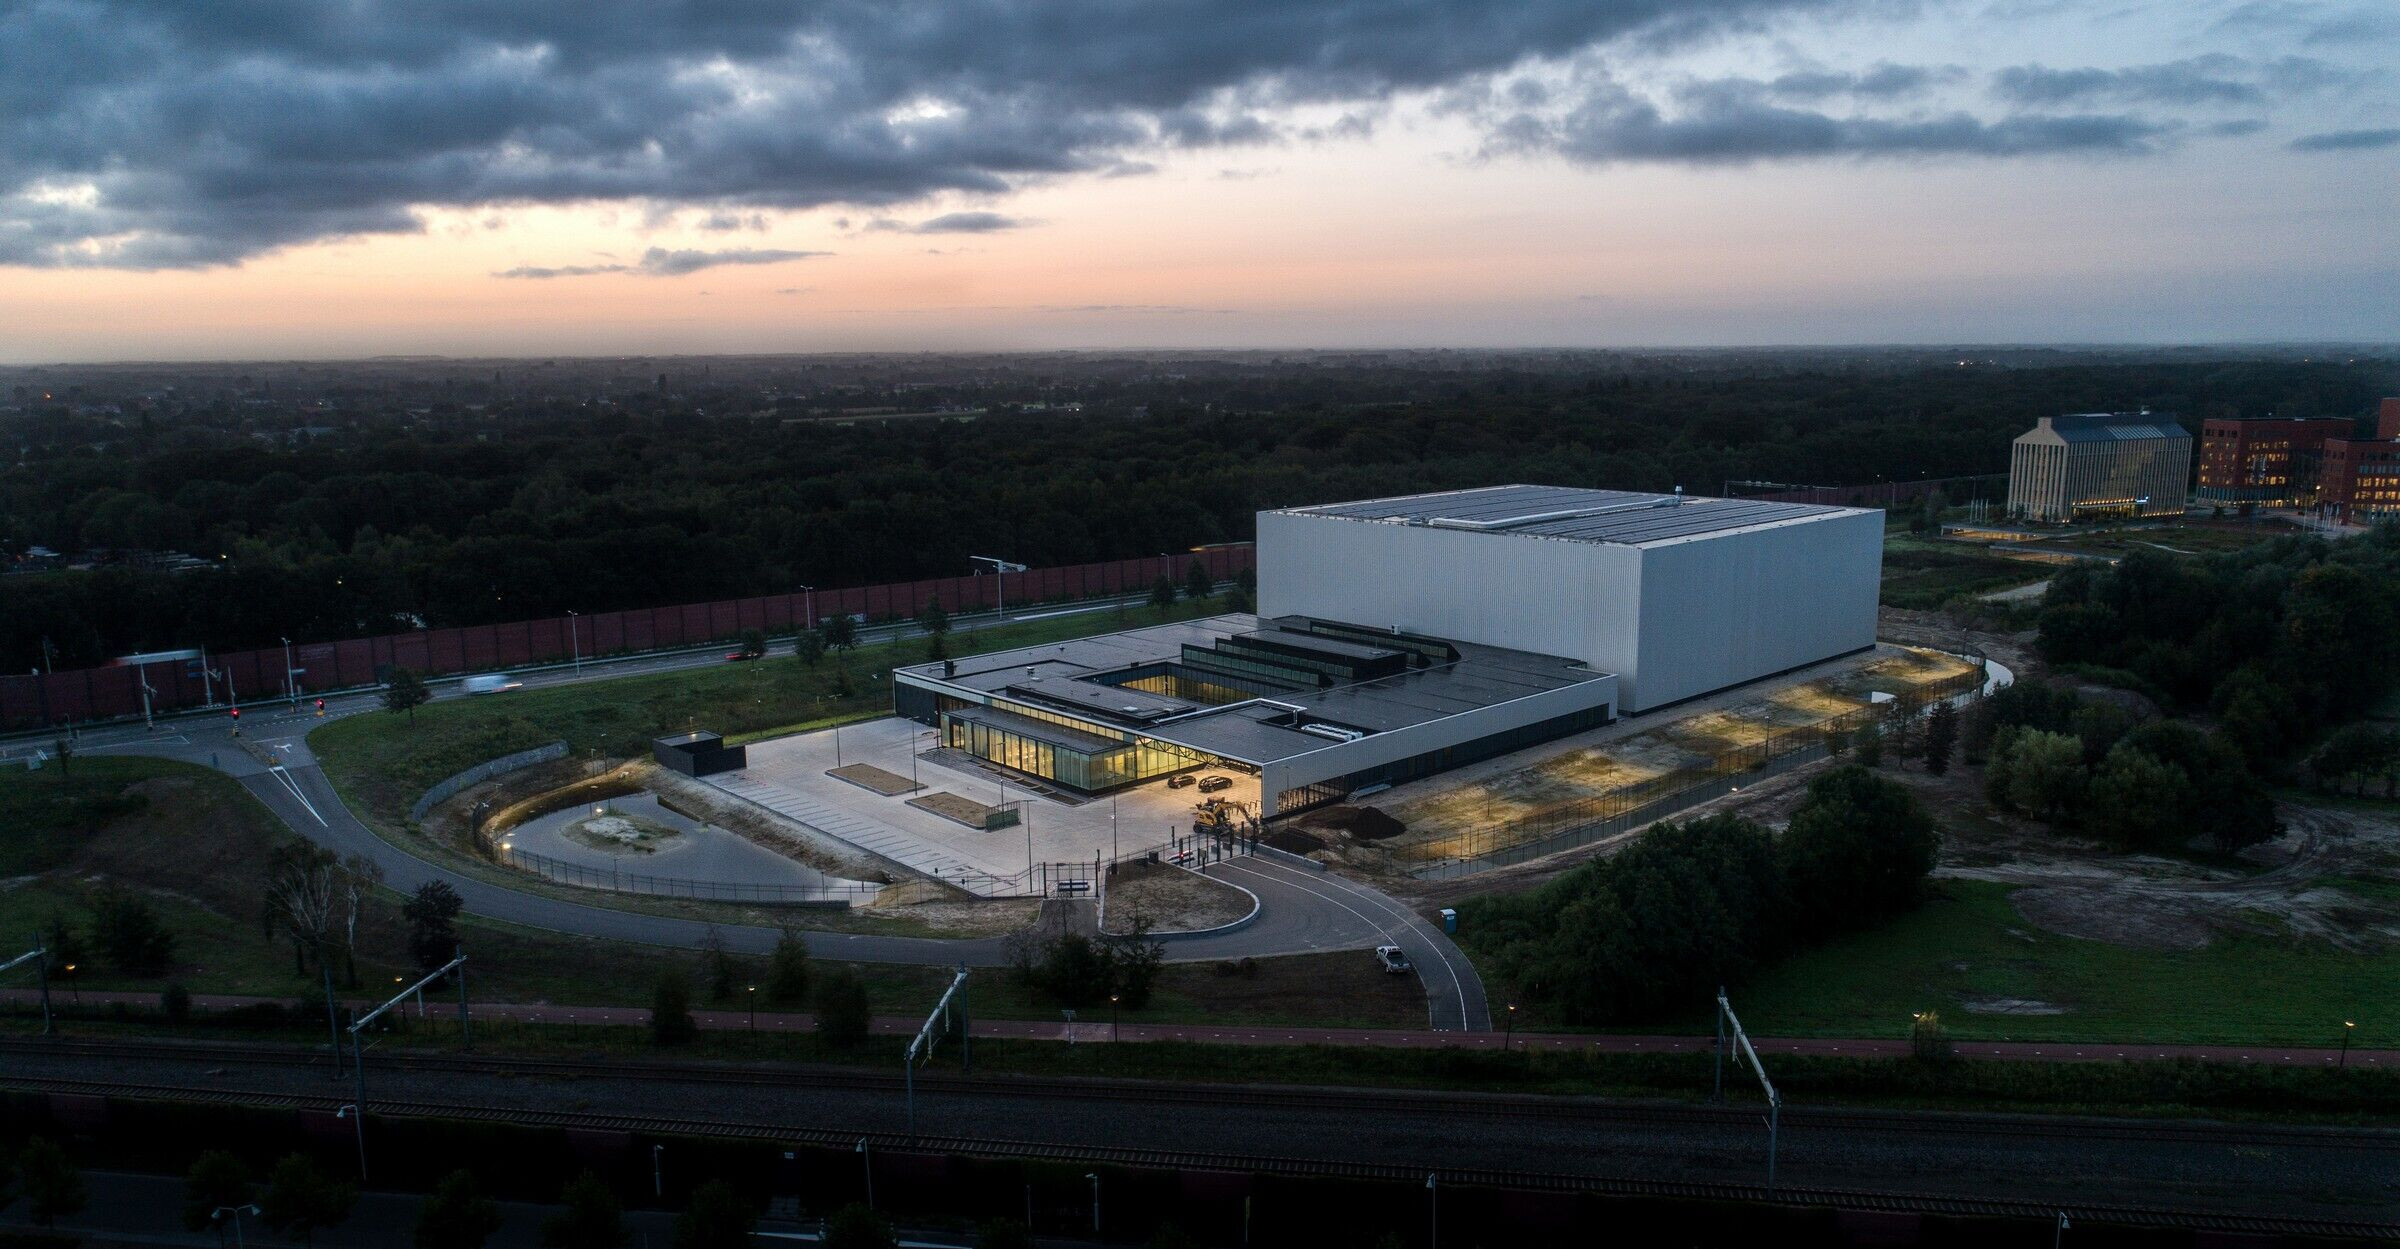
1167,898
1527,794
934,830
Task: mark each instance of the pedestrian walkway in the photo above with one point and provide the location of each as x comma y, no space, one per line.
1090,1030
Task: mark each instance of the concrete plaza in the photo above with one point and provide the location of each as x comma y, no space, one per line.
788,775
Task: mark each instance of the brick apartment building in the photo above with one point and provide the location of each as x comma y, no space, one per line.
2360,477
2267,461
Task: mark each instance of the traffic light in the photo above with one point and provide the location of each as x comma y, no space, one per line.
320,706
236,713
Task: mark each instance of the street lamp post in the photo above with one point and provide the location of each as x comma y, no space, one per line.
574,644
867,1159
1509,1042
1094,1177
658,1172
218,1216
358,1121
291,676
2347,1027
1112,1016
754,1008
1433,1199
809,605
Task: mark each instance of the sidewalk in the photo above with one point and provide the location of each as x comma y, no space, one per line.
1093,1027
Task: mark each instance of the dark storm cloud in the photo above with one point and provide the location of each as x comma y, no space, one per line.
1736,121
662,263
2347,141
951,223
2202,80
1884,81
163,134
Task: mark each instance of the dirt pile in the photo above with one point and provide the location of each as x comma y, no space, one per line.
1356,823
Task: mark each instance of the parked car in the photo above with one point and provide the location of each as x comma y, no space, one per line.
488,683
1181,780
1211,784
1392,959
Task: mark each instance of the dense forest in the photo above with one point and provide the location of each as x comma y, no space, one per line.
443,515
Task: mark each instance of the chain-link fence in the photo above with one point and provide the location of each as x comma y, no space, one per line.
1565,825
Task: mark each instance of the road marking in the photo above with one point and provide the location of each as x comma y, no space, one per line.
294,786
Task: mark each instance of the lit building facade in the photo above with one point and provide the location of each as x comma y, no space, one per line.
2267,461
2097,465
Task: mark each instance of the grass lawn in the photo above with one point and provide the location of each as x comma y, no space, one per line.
1920,575
1968,944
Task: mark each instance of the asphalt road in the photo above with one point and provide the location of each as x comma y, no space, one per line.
2338,1173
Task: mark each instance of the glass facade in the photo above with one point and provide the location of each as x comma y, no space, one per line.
1082,757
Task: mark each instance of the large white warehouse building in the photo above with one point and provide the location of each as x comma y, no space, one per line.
1676,595
1403,637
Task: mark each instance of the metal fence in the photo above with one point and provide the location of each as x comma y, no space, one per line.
616,880
482,772
1567,825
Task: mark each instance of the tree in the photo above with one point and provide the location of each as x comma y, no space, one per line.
2041,774
936,623
842,1011
590,1217
788,969
1941,738
406,691
840,632
1869,745
1136,958
717,966
809,647
301,1198
52,1183
216,1180
2356,753
671,1010
432,915
175,1002
1196,581
1162,593
753,642
857,1227
1857,852
716,1218
2138,801
2226,804
456,1215
128,933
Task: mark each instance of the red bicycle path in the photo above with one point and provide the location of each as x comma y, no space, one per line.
1094,1027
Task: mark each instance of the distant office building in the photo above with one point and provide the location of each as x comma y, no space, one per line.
2267,461
2360,480
2092,465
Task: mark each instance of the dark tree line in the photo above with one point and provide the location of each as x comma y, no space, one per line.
2279,642
1653,930
539,507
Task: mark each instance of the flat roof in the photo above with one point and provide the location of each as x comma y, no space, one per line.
1482,676
2109,427
1619,517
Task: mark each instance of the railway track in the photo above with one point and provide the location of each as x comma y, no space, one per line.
990,1147
1092,1089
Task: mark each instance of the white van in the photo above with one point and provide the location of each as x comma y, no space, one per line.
489,683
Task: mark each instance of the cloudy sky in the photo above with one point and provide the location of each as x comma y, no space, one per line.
347,177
